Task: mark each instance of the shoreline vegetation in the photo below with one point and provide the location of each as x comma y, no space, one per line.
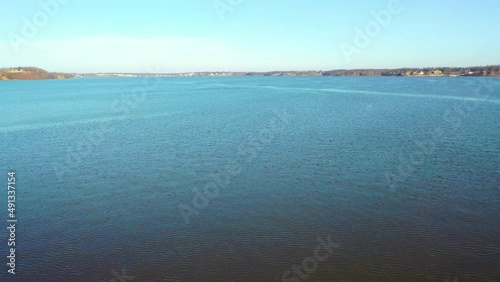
30,73
33,73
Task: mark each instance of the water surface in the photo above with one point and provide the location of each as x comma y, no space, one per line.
402,173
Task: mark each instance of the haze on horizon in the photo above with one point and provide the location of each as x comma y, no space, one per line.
244,35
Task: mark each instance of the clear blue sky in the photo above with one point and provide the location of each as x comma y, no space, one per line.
255,35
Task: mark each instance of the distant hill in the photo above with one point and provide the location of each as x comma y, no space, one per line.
30,73
438,71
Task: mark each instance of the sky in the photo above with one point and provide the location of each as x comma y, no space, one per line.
247,35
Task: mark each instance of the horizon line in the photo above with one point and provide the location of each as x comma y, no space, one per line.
266,71
310,70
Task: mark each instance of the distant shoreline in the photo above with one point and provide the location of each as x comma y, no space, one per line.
493,70
31,73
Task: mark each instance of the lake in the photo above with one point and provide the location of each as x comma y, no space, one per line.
253,178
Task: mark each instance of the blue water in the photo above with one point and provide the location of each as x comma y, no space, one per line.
402,173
